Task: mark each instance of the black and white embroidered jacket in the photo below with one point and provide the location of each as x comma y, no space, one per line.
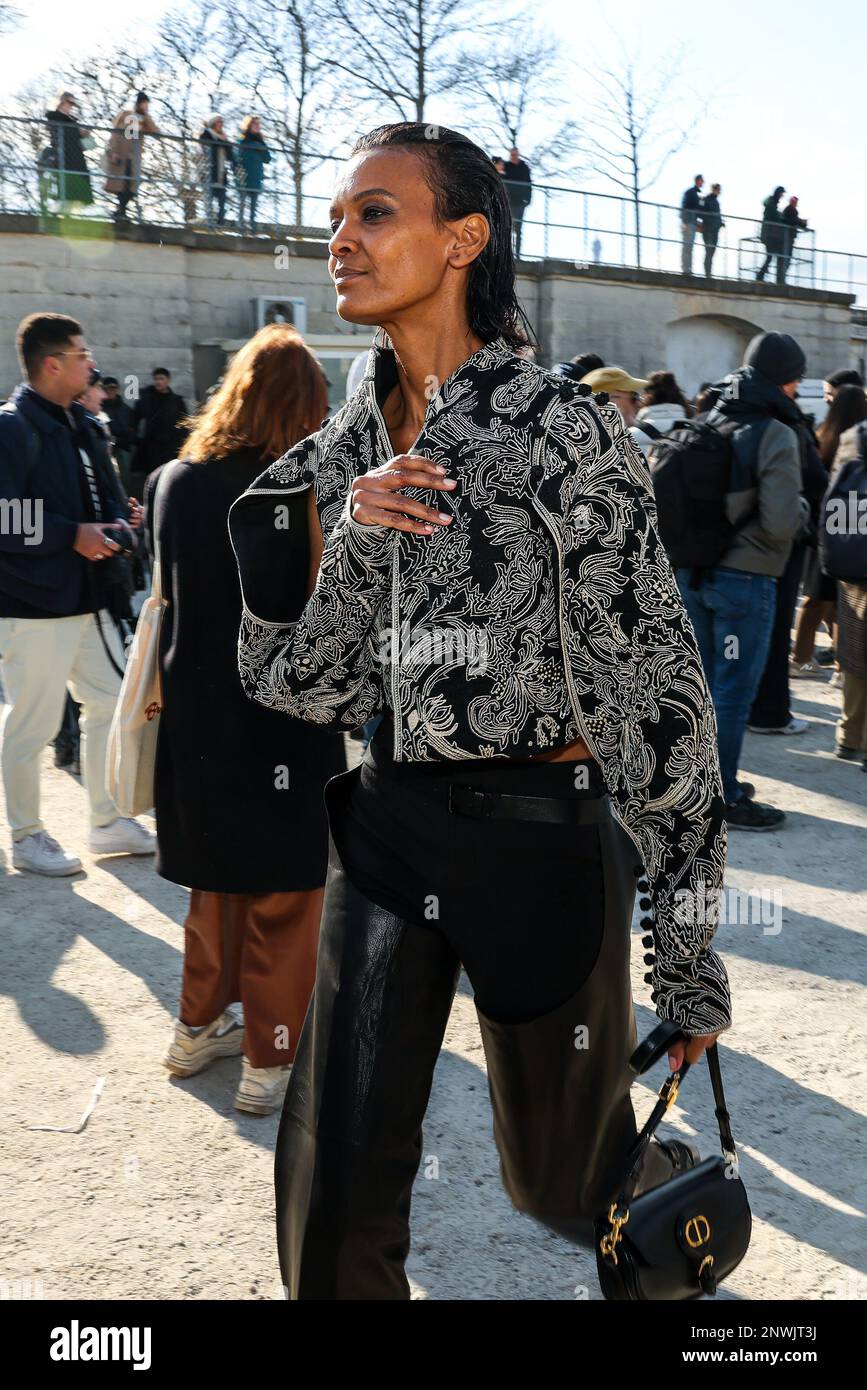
546,610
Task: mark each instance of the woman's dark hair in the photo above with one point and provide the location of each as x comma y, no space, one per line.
662,389
845,376
463,179
848,408
586,362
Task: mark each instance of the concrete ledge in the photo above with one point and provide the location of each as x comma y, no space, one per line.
666,279
152,234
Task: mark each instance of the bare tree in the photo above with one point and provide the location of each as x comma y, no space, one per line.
503,92
294,84
634,124
196,61
10,17
399,54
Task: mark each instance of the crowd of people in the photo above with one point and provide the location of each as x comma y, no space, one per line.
532,764
774,511
701,212
64,173
63,169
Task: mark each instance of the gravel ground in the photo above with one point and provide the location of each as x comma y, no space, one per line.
167,1192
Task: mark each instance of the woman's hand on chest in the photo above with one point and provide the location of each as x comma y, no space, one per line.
377,497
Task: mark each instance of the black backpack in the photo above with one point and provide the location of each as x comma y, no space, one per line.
691,468
843,523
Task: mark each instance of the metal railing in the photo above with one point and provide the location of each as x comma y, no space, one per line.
580,226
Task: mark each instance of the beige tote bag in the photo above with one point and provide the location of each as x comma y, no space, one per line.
132,737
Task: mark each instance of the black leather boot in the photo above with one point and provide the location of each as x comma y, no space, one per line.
560,1084
350,1137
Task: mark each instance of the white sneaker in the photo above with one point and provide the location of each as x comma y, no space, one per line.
807,670
123,836
836,681
42,855
261,1089
794,726
193,1049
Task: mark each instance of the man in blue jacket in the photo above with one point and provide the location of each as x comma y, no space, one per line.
56,511
690,221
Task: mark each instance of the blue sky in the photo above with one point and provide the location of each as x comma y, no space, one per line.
787,103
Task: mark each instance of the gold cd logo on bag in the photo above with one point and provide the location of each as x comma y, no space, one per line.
697,1231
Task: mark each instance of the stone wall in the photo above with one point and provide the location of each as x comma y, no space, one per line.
157,296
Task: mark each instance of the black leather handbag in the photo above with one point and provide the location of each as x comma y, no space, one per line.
681,1239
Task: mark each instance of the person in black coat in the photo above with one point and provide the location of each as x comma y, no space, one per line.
690,221
519,191
792,224
158,418
65,156
238,788
711,224
122,425
773,233
217,155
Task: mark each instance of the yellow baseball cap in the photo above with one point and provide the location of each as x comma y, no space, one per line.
613,379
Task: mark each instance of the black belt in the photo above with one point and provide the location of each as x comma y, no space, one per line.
482,805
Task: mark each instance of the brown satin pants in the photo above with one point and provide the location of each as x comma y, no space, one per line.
259,949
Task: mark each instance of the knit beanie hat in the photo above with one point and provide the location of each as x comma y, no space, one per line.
777,356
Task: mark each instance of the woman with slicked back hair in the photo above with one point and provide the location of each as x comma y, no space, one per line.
493,584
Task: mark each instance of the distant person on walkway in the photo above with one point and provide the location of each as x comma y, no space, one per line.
519,191
844,376
690,221
123,154
711,223
253,154
578,367
732,610
622,389
159,415
661,405
848,409
773,235
217,156
792,224
66,154
56,630
239,788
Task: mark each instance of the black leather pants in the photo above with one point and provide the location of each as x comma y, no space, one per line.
350,1138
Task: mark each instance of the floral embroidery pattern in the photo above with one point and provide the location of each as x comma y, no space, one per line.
553,552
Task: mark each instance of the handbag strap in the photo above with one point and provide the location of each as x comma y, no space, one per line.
158,494
667,1096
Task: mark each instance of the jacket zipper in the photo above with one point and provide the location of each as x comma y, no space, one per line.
385,443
